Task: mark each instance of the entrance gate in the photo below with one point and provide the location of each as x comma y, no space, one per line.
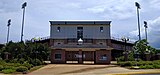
73,56
88,57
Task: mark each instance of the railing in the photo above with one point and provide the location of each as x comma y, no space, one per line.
119,39
38,39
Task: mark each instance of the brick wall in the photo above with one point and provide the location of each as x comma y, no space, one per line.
100,53
58,51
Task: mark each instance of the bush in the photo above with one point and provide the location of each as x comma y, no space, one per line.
10,67
29,66
120,59
35,62
144,63
7,71
14,61
22,60
146,67
22,69
156,66
1,67
127,63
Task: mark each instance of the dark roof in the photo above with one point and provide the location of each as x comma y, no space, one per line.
121,42
101,22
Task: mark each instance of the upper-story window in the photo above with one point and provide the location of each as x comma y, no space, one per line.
58,29
101,29
79,32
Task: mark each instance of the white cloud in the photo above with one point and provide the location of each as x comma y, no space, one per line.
155,4
121,9
153,32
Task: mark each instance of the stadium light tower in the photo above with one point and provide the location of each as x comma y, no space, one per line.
23,7
9,23
145,26
138,7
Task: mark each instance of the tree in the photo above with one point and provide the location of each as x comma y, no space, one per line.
26,51
141,47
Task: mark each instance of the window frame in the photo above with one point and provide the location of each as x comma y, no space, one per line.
59,58
101,29
58,29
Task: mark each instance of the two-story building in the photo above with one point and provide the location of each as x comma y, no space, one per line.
80,41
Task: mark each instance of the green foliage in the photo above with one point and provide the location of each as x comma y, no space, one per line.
141,47
10,67
8,71
14,60
156,66
29,66
21,61
35,62
127,63
130,57
1,67
146,67
22,69
24,51
141,64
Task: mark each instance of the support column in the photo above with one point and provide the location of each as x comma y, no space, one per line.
80,61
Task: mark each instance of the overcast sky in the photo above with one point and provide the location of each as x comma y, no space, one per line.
122,13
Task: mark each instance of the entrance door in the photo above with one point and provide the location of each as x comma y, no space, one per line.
88,56
71,56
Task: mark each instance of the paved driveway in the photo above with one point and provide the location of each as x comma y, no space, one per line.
81,69
71,69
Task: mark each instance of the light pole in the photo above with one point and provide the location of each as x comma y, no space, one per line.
9,23
145,26
125,50
23,7
138,7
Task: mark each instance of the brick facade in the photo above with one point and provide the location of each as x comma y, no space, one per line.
58,51
100,54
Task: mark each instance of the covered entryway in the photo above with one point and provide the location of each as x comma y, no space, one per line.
88,57
71,56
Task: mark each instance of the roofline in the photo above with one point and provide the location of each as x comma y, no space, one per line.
70,22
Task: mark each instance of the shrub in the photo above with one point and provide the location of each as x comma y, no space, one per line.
22,69
2,62
35,62
127,63
144,63
1,67
22,60
146,67
29,66
10,67
120,59
7,71
156,66
14,61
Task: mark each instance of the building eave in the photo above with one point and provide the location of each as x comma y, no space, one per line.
82,22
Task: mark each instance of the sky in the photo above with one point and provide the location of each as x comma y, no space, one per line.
122,13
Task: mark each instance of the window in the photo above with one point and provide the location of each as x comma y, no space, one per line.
58,29
103,57
101,29
79,32
57,56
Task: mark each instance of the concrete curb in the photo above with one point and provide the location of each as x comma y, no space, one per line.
129,73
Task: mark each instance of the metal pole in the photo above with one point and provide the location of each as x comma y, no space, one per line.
8,34
146,33
9,23
138,24
22,24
